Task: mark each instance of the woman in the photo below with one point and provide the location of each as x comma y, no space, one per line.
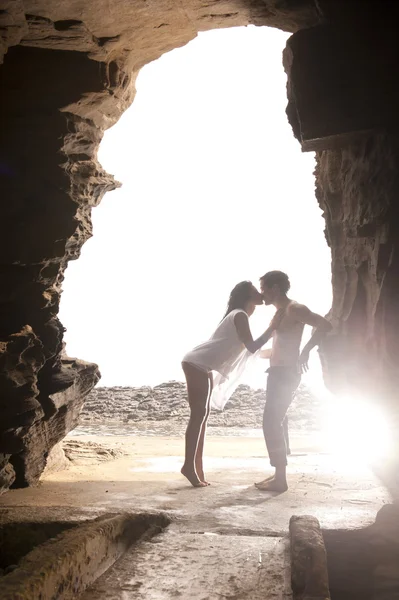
226,353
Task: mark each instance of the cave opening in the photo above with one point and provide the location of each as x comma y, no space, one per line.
205,202
202,155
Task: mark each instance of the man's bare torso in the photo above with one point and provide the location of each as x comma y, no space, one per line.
287,340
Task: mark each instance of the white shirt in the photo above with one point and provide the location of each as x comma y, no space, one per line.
226,354
221,350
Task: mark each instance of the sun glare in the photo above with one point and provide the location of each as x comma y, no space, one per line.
357,430
215,190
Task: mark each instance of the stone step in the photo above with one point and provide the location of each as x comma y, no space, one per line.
199,566
64,566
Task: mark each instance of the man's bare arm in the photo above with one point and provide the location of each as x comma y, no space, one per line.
319,323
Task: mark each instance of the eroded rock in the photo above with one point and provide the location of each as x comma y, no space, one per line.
309,572
89,453
168,402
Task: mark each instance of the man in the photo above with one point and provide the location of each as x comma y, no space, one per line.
286,366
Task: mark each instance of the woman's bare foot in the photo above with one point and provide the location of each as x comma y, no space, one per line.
201,476
192,477
273,485
204,480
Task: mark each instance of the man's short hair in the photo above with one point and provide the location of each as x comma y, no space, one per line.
276,278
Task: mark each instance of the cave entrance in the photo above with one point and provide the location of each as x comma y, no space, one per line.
203,155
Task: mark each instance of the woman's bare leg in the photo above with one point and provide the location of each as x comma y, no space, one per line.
197,392
200,448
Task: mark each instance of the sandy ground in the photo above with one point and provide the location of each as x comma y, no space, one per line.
338,489
160,458
225,541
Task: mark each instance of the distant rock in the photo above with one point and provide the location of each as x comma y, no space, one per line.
168,402
89,453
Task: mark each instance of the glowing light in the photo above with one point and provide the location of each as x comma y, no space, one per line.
357,430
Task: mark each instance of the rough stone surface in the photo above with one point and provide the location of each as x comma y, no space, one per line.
168,402
77,452
89,453
357,188
56,460
29,436
339,493
336,92
364,563
19,537
7,473
64,566
200,566
342,101
309,573
62,413
350,563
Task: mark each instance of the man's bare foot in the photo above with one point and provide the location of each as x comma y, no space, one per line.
264,480
273,485
192,477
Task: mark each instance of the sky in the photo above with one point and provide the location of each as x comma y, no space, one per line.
215,190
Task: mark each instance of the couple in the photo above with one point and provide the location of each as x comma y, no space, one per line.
230,349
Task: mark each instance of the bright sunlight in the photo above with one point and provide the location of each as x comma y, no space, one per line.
215,190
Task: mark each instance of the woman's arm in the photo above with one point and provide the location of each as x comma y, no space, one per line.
266,353
244,333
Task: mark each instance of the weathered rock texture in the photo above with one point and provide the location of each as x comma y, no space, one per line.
343,103
359,564
363,563
357,187
68,74
167,402
67,564
309,573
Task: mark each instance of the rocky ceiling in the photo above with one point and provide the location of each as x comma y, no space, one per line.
68,73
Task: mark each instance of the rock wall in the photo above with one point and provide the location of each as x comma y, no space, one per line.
51,180
343,104
357,188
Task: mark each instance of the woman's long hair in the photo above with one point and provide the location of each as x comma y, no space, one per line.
239,296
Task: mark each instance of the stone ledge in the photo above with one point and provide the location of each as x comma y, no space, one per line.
65,566
309,573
